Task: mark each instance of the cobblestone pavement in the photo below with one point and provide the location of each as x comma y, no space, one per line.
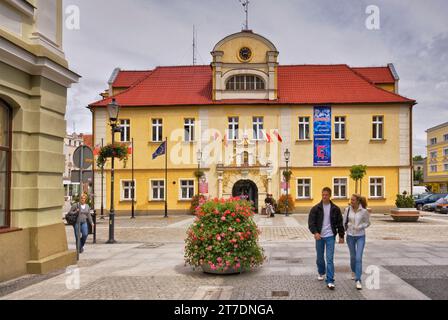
147,263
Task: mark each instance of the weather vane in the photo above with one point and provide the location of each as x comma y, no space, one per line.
245,4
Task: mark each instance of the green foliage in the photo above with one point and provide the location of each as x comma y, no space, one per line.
287,174
418,158
199,173
357,172
404,201
284,202
118,150
224,236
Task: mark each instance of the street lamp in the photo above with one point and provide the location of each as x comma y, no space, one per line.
199,158
113,109
287,155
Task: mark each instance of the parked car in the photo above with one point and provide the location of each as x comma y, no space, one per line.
431,206
443,204
421,196
431,198
444,210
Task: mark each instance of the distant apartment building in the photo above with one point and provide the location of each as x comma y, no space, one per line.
437,158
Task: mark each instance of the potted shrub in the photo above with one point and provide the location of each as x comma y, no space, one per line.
405,210
224,238
283,202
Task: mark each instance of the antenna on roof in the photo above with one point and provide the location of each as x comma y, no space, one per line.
194,46
245,4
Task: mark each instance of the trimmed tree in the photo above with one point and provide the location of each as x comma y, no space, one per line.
357,172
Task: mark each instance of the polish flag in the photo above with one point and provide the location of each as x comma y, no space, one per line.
129,150
278,136
267,136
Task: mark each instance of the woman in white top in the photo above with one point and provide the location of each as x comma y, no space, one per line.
356,220
84,217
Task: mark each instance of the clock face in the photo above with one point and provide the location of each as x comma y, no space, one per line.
245,53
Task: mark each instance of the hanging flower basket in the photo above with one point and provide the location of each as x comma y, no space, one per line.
118,150
287,174
224,238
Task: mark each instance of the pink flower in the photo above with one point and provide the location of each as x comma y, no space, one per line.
218,237
213,267
238,265
209,248
233,214
235,246
238,220
223,218
219,259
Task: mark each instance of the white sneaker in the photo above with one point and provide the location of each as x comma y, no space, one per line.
358,285
331,286
353,276
320,278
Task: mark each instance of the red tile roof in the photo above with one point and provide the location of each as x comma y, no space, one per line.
88,140
377,75
126,78
297,84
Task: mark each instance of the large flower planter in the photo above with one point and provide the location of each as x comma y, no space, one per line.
207,269
223,237
405,214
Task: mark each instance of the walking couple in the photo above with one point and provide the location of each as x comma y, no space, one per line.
325,221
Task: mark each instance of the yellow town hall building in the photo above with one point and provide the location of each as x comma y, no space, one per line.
242,112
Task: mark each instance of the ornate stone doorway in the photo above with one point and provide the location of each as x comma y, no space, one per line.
246,188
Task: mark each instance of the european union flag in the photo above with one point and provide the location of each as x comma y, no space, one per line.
160,150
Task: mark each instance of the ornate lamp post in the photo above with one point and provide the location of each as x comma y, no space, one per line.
287,155
199,158
113,109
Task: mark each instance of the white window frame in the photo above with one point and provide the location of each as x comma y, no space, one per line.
151,189
180,188
376,123
433,168
303,124
125,135
445,137
189,125
445,166
304,185
159,129
433,141
383,185
340,121
431,155
233,125
445,152
346,188
122,189
258,127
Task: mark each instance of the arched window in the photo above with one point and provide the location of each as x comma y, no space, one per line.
245,82
5,163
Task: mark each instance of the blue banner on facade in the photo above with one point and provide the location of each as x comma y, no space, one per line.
322,136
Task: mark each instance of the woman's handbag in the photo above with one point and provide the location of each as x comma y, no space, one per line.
346,219
72,216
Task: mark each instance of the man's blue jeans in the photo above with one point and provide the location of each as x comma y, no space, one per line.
84,234
356,247
327,243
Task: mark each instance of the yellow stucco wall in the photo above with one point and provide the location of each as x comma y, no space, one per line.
231,50
439,148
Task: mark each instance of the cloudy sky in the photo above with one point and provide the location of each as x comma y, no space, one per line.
143,34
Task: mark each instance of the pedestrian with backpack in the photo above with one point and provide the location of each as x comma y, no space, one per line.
82,210
356,221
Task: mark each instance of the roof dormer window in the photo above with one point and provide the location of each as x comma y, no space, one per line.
245,82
